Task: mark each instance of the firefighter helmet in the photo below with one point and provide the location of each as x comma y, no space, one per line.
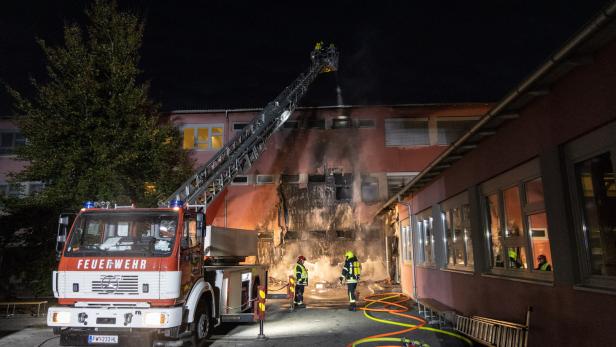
348,254
301,257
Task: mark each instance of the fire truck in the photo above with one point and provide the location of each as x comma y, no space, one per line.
162,276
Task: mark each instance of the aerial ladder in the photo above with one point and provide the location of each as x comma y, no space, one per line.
238,155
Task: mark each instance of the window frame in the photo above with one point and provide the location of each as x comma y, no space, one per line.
209,142
458,201
15,142
420,220
404,137
516,177
581,149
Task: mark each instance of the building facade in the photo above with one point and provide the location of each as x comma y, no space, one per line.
532,184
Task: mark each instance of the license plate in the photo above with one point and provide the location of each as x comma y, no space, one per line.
93,339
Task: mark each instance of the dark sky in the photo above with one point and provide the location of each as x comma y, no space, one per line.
226,54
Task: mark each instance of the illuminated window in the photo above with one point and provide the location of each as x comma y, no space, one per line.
425,241
203,137
516,223
340,123
458,241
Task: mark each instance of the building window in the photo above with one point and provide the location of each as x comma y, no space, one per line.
22,189
458,241
397,180
591,169
290,179
424,227
240,180
405,233
366,123
516,223
290,124
238,127
316,124
203,137
316,178
342,123
265,179
10,140
369,189
344,186
406,132
451,129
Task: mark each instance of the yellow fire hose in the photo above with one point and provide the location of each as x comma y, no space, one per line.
382,299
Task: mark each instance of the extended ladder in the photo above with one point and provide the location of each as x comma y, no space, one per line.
238,155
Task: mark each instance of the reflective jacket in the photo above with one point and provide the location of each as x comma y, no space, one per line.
351,270
301,275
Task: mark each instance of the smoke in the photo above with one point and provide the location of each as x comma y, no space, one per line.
328,267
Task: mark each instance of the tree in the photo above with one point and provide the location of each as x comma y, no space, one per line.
92,134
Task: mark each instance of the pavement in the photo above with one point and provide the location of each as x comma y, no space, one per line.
325,322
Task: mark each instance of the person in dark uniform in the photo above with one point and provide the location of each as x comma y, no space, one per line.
351,272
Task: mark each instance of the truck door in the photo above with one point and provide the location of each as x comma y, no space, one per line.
191,257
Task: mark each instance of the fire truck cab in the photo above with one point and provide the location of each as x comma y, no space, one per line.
150,276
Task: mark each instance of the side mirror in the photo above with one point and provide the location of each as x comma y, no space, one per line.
63,225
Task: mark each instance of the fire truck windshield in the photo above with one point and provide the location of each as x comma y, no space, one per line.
123,234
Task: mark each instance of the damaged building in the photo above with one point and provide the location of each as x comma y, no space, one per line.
317,187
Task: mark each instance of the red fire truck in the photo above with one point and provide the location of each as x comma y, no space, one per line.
160,276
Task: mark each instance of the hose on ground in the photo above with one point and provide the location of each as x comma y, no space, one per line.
388,300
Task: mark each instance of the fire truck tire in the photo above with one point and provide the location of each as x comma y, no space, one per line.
202,325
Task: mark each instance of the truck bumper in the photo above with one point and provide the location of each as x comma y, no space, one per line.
114,318
81,337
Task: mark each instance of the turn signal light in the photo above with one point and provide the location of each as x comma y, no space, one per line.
155,318
61,317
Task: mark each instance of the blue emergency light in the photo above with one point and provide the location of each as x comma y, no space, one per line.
176,203
88,204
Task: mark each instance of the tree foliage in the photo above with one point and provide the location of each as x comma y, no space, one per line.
92,132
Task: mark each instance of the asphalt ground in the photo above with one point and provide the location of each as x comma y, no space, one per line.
325,321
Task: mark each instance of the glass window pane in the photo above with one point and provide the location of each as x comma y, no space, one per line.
6,140
494,231
466,222
189,138
216,131
202,138
597,187
513,212
428,241
540,241
458,237
534,191
449,236
217,142
517,258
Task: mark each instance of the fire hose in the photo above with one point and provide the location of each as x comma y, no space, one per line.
398,311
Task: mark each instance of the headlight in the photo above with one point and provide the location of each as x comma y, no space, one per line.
61,317
156,318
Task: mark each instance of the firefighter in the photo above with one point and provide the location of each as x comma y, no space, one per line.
350,273
543,263
301,281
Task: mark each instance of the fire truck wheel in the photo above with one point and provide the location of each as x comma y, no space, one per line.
202,326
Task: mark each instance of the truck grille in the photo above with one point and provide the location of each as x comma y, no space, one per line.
116,284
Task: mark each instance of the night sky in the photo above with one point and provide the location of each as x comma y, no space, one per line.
225,54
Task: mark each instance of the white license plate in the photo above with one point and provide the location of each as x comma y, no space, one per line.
92,339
